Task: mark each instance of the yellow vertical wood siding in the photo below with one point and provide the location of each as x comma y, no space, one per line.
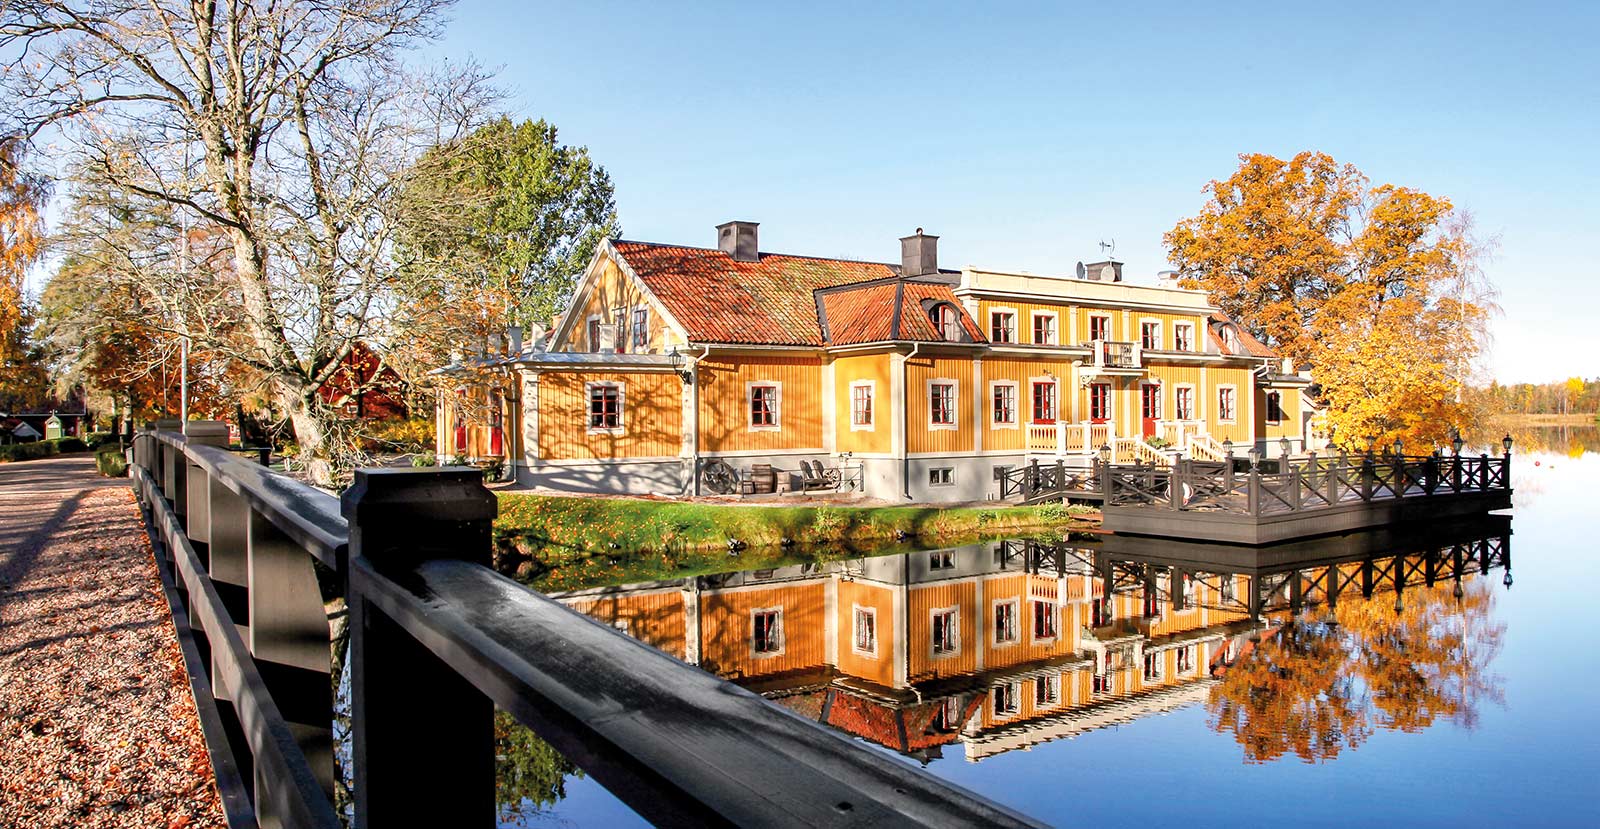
652,416
656,619
920,435
727,630
922,601
866,367
613,290
725,403
879,599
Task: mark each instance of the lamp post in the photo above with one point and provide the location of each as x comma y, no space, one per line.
1104,453
1506,442
1399,448
1456,443
1227,448
1283,446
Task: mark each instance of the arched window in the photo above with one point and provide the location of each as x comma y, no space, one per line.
947,320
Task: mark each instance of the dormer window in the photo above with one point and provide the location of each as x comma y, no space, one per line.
1230,338
946,320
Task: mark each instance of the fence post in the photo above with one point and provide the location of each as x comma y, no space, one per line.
197,491
1033,476
1253,498
423,735
1483,473
1061,475
1368,473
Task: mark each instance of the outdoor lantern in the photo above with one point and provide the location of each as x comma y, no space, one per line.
1456,442
1458,592
1283,444
1105,452
677,359
1506,442
1398,448
1507,580
1227,447
1399,603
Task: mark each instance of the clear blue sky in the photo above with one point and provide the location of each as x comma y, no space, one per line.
1024,134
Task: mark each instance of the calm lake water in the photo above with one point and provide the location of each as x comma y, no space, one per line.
1467,702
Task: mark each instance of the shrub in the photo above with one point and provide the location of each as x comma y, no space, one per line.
111,462
95,440
71,444
493,471
28,451
422,459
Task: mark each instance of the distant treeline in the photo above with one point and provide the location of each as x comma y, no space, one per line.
1569,396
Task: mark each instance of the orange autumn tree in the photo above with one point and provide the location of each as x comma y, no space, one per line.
1318,685
23,383
1378,290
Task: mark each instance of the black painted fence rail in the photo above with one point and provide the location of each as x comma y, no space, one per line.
438,639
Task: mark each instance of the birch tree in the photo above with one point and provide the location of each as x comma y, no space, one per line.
287,126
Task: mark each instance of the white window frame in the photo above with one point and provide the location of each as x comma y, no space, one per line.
1188,326
1230,339
1055,399
1267,407
622,407
1193,653
634,346
1016,635
872,396
1016,402
1055,620
783,639
1177,411
1015,338
942,556
935,470
1012,690
955,404
1233,390
1155,666
1051,682
950,329
594,323
1161,340
1161,403
955,632
1055,327
749,406
857,612
1110,328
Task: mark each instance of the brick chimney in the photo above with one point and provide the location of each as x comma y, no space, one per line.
919,254
738,239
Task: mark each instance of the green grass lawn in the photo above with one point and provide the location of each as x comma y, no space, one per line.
557,543
584,538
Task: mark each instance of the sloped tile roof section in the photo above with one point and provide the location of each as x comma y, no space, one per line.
893,310
1249,346
720,300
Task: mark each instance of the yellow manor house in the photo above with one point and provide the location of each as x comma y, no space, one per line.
680,370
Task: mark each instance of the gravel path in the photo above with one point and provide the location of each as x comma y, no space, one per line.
97,722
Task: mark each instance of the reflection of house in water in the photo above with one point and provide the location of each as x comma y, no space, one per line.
1001,646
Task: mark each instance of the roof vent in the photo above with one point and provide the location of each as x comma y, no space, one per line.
919,254
738,240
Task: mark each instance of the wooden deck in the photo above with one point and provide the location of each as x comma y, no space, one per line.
1299,497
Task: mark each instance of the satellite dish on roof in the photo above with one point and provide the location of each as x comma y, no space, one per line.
1081,270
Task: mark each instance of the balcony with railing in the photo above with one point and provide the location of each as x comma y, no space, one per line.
1114,357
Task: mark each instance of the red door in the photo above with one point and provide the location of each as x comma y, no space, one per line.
1149,407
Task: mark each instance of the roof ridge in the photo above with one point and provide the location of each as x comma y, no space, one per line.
760,253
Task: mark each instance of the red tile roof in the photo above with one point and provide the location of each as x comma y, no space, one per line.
776,301
1248,344
720,300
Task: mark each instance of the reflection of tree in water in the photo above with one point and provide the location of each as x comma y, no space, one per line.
530,775
1317,685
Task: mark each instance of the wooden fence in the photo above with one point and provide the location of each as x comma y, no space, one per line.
438,641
